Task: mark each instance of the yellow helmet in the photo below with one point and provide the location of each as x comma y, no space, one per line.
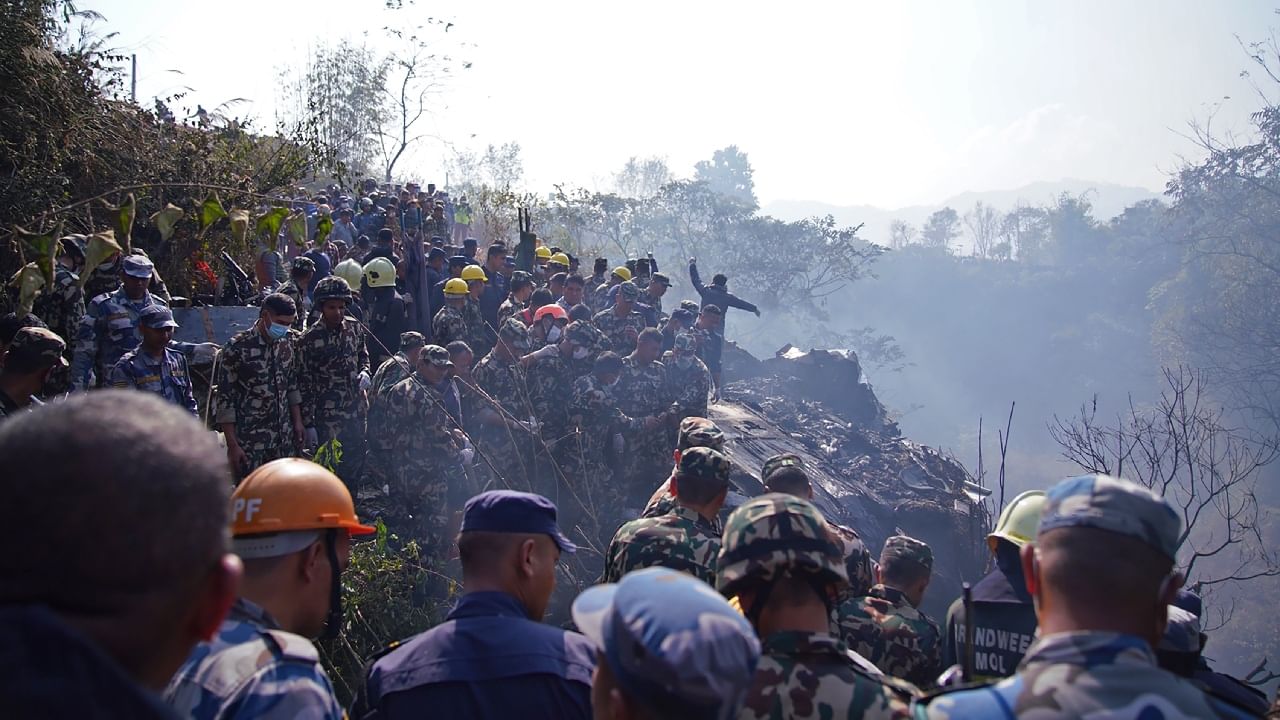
456,287
474,272
542,253
350,271
560,259
380,272
622,272
1019,521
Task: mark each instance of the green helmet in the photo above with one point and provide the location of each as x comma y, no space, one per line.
331,288
774,535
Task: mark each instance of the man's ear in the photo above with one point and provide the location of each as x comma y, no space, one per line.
310,559
218,591
1030,568
525,558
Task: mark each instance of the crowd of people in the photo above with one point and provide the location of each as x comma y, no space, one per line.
182,572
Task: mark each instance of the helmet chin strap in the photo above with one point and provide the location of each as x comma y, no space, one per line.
334,623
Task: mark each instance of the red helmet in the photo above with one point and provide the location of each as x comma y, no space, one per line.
553,310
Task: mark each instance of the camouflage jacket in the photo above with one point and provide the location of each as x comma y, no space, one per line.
615,328
392,371
166,377
256,382
811,675
108,330
300,303
479,335
253,669
690,386
432,227
1083,674
642,390
884,628
550,389
62,306
510,308
420,426
102,281
448,326
681,540
329,365
595,413
857,561
506,383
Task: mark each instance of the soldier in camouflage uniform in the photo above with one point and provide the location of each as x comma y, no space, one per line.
643,391
598,297
29,361
688,377
686,538
152,366
507,430
333,375
288,514
480,336
1105,548
103,279
256,395
61,308
692,432
518,300
380,435
786,473
426,454
300,275
885,627
668,647
621,324
448,324
778,559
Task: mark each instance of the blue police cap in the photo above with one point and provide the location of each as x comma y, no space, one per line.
138,266
156,317
672,642
510,511
458,261
436,253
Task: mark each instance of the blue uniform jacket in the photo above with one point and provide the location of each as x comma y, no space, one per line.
486,660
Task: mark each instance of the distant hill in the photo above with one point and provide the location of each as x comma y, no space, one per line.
1108,201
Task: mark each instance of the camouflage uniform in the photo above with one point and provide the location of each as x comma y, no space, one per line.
479,335
1092,673
167,377
801,674
692,432
681,540
39,345
256,382
424,458
642,391
550,388
510,308
380,434
615,329
330,362
61,308
253,669
885,629
102,280
857,560
108,330
447,326
508,447
299,298
690,385
594,412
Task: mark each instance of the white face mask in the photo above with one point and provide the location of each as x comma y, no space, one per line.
580,353
553,334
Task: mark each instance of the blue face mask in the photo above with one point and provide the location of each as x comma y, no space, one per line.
277,332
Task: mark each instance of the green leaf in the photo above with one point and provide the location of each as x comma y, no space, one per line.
42,248
296,226
210,211
165,220
122,221
100,247
28,280
239,225
268,225
322,229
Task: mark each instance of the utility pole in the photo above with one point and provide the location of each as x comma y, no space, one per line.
133,78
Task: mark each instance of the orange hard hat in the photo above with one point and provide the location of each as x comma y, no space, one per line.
555,311
292,494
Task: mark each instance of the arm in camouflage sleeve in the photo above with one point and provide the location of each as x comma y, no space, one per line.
188,399
226,388
295,391
362,352
306,380
120,377
86,347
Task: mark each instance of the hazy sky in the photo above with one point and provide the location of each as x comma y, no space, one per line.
883,103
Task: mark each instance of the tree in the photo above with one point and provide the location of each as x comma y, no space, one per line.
642,177
417,73
901,234
942,227
1183,450
984,223
729,173
1026,230
1074,235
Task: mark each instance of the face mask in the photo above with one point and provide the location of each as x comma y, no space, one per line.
553,334
277,332
580,353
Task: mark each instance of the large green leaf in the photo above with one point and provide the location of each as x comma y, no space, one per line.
211,211
296,226
122,221
100,247
323,227
165,220
268,225
239,225
28,280
41,248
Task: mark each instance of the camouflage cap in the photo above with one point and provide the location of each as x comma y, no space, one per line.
672,643
686,342
515,333
661,279
37,346
583,334
778,462
1181,632
1114,505
901,547
156,317
410,340
705,463
690,305
137,266
776,534
303,263
628,291
435,355
331,288
699,432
